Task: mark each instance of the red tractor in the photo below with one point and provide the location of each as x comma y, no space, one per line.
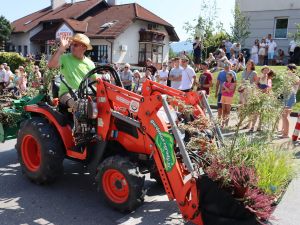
120,135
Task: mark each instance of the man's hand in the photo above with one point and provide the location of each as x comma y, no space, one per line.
64,42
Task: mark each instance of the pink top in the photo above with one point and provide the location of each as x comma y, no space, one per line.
228,93
23,83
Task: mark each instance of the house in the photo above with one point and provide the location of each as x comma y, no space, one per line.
125,33
278,18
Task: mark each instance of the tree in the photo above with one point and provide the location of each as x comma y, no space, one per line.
240,28
206,26
5,29
172,54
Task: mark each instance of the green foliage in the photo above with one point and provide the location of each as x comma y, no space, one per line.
5,29
13,59
240,28
207,27
274,168
172,54
48,73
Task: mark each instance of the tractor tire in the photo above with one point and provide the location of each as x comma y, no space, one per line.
40,151
121,183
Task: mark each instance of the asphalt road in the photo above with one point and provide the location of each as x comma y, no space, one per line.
72,200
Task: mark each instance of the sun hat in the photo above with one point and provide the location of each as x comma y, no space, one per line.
82,38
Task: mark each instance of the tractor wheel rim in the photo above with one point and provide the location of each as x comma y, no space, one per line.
115,186
31,153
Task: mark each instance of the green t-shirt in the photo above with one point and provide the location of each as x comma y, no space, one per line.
73,70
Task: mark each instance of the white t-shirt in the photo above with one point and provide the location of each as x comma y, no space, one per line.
293,45
188,76
271,46
163,74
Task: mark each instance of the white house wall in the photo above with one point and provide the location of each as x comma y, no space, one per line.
130,38
262,15
23,39
266,5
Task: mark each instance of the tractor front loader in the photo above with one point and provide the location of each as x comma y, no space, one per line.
121,136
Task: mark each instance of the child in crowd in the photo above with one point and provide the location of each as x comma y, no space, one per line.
228,90
137,82
263,79
22,79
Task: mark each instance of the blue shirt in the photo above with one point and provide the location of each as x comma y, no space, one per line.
222,79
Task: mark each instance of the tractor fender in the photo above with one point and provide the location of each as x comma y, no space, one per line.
55,118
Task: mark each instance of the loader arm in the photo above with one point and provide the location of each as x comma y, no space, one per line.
178,176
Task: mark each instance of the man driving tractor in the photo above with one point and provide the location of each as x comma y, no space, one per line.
74,66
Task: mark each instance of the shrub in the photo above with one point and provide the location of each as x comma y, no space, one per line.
274,169
13,59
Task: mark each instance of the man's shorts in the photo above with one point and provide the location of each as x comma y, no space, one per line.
270,55
197,59
219,101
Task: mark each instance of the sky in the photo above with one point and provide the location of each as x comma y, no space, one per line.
174,12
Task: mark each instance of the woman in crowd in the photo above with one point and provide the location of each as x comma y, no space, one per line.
241,63
262,51
254,51
264,84
249,76
291,99
126,77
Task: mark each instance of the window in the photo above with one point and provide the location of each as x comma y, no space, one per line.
281,25
153,51
100,53
19,48
25,50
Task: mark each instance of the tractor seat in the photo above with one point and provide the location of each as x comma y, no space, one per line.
61,118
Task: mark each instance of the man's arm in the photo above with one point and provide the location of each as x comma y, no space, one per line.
64,44
217,88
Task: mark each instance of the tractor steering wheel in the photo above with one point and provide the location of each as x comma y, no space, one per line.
86,87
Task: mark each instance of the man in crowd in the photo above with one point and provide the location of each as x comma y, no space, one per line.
188,75
176,74
235,49
170,67
4,76
228,46
205,79
74,65
271,46
197,52
292,46
220,81
163,74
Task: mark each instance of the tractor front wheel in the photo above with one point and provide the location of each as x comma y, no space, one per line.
40,150
121,183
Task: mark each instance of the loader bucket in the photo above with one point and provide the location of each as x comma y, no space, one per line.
219,207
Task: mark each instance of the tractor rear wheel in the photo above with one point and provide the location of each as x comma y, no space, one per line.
40,150
121,183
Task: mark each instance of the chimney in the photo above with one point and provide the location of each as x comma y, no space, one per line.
57,3
111,2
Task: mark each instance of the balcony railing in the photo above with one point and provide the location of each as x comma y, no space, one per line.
152,36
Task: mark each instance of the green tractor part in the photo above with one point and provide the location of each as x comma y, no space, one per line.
11,117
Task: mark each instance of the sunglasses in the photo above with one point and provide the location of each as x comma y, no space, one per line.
126,67
77,45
